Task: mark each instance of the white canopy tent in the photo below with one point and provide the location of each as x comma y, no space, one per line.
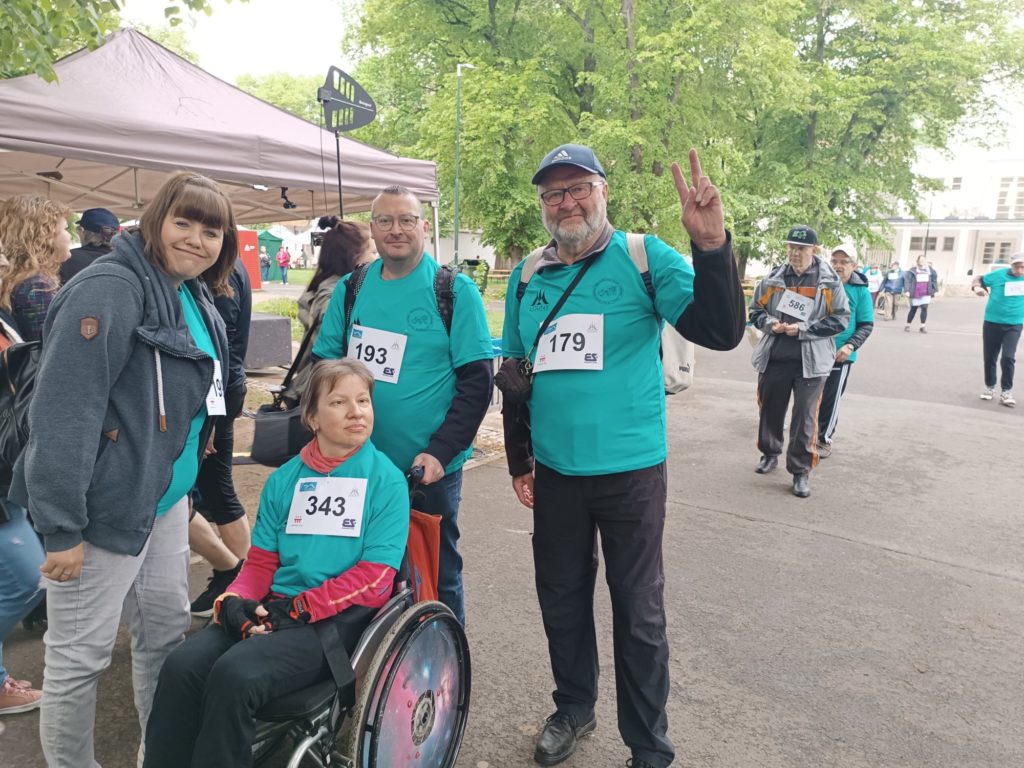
119,118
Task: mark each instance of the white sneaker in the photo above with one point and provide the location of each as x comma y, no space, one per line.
1007,399
986,394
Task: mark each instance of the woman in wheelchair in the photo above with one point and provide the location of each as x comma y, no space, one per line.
328,540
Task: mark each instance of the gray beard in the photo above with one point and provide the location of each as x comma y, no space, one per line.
576,237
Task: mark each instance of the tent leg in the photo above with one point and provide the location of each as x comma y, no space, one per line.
437,234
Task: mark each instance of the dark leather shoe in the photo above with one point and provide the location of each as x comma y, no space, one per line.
767,464
636,762
559,738
802,485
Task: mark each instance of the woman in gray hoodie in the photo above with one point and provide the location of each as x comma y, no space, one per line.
132,370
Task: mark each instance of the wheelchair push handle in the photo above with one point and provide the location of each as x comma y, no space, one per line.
414,476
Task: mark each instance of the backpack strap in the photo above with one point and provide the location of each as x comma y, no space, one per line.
638,253
444,293
352,286
529,270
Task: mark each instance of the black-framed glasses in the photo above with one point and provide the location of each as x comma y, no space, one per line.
387,223
576,192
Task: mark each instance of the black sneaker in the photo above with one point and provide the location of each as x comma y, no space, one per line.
559,738
636,762
202,606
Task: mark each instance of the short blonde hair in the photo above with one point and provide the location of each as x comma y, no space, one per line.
322,379
29,225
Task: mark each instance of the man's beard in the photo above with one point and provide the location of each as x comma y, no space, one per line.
577,233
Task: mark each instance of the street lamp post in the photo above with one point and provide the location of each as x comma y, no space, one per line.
458,110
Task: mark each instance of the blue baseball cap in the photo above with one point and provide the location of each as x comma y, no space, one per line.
95,219
569,154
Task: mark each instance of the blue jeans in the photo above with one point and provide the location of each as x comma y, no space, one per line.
264,272
284,275
442,498
21,554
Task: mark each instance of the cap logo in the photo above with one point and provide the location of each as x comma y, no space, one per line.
799,235
562,155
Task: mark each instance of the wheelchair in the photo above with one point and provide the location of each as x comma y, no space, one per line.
411,696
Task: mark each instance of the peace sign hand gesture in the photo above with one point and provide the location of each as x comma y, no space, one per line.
703,217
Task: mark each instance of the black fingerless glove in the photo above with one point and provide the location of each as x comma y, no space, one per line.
236,616
284,614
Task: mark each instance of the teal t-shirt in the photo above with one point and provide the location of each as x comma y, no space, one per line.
409,411
186,467
1001,308
861,313
592,422
308,560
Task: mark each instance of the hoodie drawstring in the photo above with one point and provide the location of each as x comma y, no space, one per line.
160,391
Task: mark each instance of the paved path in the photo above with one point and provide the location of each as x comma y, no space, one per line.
878,623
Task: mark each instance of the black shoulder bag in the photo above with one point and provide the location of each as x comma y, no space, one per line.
515,376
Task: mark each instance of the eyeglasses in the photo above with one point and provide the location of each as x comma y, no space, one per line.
841,262
387,223
576,192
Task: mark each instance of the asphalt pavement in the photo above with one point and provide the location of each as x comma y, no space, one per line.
877,623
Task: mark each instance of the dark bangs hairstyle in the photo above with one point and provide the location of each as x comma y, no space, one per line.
198,198
343,244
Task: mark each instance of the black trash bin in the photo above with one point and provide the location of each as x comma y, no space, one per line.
469,268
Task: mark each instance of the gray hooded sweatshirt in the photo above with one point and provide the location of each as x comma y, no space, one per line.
119,382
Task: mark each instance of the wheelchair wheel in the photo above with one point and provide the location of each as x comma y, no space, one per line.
412,703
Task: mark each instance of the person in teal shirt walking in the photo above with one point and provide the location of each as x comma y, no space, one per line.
862,322
1004,318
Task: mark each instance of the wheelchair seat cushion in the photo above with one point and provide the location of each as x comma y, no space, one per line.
300,704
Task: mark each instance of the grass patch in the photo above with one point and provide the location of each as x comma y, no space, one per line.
285,308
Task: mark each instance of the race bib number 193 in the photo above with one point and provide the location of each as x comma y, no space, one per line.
381,351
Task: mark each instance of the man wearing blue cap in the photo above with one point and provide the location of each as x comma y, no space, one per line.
587,450
96,229
800,307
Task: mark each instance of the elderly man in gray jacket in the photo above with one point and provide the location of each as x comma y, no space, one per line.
800,307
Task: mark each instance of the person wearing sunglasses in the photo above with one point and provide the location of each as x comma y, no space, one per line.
587,452
433,386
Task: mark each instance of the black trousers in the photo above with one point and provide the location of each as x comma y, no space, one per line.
774,388
913,311
217,500
1000,338
828,411
210,688
628,509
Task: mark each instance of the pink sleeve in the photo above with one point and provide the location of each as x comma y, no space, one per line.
257,574
364,583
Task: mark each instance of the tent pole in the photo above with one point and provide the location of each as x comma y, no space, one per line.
437,235
341,205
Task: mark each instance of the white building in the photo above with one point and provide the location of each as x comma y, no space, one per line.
976,220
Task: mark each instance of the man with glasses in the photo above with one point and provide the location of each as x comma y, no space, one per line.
433,388
800,307
587,453
862,322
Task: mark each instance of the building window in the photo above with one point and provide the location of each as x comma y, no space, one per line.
957,183
921,244
993,251
948,243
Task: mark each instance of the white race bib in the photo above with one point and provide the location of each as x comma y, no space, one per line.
894,276
381,351
215,397
571,343
1014,288
327,506
795,305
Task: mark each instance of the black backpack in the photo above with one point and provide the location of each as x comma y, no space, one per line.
18,366
444,293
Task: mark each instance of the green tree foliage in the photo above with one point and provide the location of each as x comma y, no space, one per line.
35,33
804,111
292,93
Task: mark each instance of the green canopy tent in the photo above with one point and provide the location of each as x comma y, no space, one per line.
273,244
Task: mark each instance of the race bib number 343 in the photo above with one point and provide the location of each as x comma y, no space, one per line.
381,351
327,506
572,343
